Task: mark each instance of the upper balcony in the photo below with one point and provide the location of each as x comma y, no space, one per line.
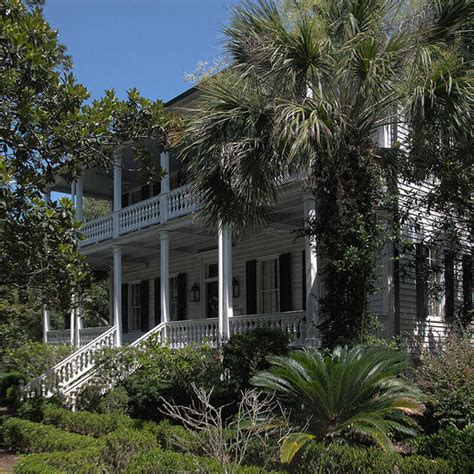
155,210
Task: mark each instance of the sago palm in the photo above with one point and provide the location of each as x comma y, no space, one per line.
351,391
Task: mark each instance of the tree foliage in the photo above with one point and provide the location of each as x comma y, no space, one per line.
48,128
310,86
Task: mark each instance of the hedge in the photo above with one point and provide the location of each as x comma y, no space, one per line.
8,387
30,437
83,461
158,461
337,458
456,446
120,447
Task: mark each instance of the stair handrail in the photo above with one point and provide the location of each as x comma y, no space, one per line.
52,370
77,384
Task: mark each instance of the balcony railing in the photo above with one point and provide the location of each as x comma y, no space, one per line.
178,202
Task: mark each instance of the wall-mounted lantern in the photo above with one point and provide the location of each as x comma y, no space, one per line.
235,288
195,294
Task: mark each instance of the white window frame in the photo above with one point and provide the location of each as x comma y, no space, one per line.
260,262
435,300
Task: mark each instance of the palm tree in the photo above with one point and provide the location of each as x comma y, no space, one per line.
349,392
307,89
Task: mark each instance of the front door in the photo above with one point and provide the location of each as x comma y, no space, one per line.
212,303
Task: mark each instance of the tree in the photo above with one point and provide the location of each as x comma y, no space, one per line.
47,128
348,392
309,85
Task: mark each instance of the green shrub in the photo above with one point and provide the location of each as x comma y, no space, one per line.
174,437
34,358
120,447
341,458
91,424
447,378
245,354
7,382
457,446
30,437
83,461
157,461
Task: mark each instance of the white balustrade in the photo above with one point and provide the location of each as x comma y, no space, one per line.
58,336
181,201
56,379
87,335
97,230
193,331
292,322
139,215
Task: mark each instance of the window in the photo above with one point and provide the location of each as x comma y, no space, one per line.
269,286
174,299
429,284
135,308
136,196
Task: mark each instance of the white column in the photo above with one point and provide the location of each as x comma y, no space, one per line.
117,193
117,252
78,325
225,282
72,321
46,323
165,277
73,193
312,279
165,186
80,198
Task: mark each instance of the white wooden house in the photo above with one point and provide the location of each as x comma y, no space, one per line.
173,278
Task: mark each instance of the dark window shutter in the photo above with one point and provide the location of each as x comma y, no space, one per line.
285,282
156,188
251,286
125,307
157,301
449,285
124,200
145,192
303,278
182,296
144,307
421,275
67,321
467,282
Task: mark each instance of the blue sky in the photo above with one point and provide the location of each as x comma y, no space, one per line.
148,44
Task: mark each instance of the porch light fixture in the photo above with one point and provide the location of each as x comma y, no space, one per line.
195,294
235,288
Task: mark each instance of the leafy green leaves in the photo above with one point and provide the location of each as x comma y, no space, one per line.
346,391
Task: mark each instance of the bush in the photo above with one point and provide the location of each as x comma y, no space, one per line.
337,458
83,461
457,446
85,423
169,373
34,358
30,437
157,461
8,387
246,353
447,378
120,447
174,437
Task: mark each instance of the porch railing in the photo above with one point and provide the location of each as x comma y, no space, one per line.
86,335
179,202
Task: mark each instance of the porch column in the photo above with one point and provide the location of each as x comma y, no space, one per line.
72,324
117,194
165,277
312,279
80,198
46,323
78,325
117,252
165,186
73,193
225,282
